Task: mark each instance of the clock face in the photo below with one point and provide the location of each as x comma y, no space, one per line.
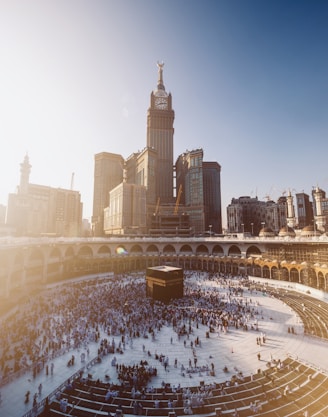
161,103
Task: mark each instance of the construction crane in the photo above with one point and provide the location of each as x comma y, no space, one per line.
72,181
176,208
157,206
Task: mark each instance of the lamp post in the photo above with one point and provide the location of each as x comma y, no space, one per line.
252,225
263,224
210,227
243,228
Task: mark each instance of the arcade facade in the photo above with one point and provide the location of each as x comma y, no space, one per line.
33,263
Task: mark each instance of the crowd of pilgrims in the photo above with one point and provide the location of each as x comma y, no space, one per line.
69,317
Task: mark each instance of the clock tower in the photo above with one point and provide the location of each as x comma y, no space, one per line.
160,131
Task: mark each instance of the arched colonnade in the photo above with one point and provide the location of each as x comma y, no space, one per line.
41,262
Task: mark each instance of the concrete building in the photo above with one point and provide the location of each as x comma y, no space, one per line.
190,184
304,209
200,185
126,213
142,169
212,196
245,214
249,215
108,173
41,210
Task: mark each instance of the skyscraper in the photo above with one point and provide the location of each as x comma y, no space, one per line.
189,174
160,131
108,173
212,196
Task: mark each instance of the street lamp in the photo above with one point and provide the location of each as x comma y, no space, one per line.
210,227
243,228
252,225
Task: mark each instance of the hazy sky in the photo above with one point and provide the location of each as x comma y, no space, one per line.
249,82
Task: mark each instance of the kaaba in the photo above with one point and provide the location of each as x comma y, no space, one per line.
164,283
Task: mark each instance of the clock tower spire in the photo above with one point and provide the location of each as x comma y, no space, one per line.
160,84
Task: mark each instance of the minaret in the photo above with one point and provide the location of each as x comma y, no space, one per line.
291,220
320,219
25,175
160,131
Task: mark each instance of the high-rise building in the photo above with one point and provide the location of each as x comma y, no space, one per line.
200,184
108,173
304,210
126,213
212,196
160,131
141,169
41,210
189,181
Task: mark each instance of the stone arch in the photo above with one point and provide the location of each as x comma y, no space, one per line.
152,249
121,250
136,249
308,277
201,250
168,249
274,272
104,250
326,281
257,270
85,251
284,274
186,249
218,250
252,250
250,269
234,251
321,281
294,275
266,271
